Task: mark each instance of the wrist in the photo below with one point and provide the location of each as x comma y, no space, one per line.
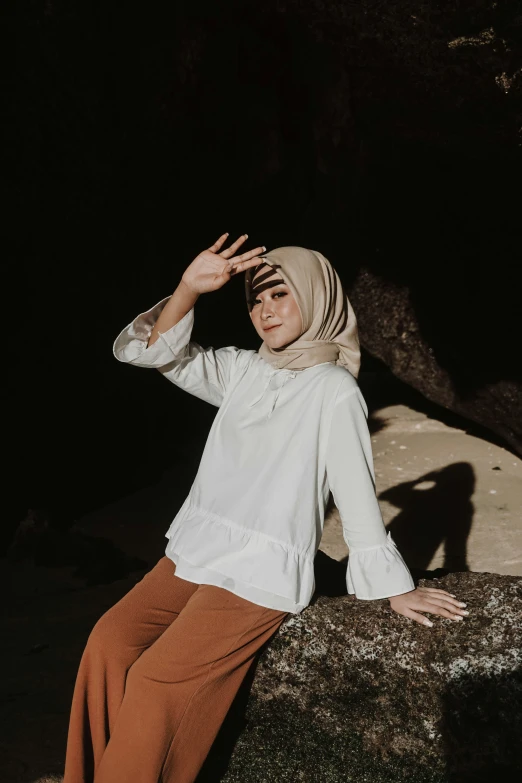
187,288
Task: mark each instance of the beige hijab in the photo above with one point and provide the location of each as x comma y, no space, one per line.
329,323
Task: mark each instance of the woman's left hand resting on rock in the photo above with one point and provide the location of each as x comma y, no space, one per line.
427,599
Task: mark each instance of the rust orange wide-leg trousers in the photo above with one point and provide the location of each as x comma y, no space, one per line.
157,677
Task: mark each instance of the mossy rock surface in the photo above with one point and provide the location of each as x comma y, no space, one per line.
351,691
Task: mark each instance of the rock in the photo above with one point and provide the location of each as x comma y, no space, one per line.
389,329
50,779
350,690
96,560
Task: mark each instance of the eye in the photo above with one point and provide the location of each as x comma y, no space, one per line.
278,293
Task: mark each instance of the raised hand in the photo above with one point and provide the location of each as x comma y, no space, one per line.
430,600
211,269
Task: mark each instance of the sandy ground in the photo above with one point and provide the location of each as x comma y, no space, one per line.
451,499
468,492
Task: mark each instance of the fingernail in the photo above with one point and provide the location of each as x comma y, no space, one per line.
462,604
428,622
453,596
246,236
264,248
458,617
465,612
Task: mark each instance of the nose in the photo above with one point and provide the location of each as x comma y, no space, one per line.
266,309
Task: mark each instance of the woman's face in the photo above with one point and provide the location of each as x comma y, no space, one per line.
274,305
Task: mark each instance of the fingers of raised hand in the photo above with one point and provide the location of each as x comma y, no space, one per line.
246,260
219,243
234,246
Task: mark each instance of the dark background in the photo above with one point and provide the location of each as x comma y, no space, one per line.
135,135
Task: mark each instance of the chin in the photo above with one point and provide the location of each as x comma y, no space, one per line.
278,344
271,337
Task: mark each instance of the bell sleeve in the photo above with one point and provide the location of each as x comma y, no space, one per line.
375,568
203,372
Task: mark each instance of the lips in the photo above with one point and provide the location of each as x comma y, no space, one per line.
271,327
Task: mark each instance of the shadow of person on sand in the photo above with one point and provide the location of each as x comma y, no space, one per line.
436,509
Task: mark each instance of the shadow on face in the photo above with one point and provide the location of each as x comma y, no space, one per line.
274,305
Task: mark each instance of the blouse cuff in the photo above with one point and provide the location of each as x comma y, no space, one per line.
131,344
378,572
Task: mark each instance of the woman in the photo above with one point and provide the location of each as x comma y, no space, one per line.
161,667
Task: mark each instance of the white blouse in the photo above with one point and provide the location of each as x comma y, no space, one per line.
281,440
